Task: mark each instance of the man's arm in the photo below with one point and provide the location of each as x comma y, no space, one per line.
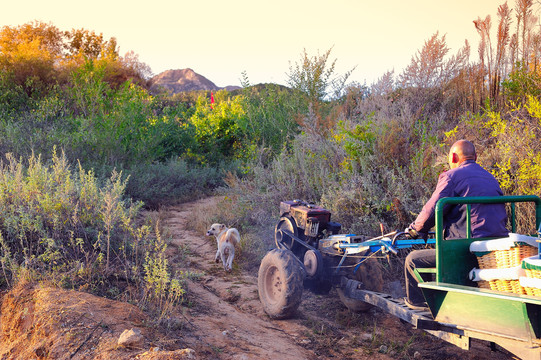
426,218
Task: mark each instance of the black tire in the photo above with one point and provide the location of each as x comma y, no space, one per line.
281,239
369,273
279,283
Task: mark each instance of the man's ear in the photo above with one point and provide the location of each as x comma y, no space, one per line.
454,158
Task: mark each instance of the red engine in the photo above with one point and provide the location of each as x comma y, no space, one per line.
308,217
311,218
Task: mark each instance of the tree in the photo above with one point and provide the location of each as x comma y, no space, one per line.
427,83
384,85
50,39
38,55
525,23
85,43
314,76
30,52
429,68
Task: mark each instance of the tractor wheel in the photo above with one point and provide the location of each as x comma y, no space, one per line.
281,239
313,264
369,273
279,282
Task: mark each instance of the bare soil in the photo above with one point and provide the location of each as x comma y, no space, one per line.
221,318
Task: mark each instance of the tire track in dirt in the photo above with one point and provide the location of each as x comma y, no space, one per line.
226,320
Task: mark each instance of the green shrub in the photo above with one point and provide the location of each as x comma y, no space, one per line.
218,137
271,110
12,96
51,216
366,171
162,291
520,84
64,227
174,181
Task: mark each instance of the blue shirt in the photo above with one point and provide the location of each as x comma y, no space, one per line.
467,180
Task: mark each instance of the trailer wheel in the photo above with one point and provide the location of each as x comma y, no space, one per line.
369,273
279,283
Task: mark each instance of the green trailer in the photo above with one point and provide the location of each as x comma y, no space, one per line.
510,320
459,310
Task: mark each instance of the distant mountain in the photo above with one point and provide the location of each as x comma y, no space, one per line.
183,80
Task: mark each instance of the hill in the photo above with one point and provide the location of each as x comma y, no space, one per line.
183,80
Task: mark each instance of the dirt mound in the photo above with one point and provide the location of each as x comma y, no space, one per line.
52,323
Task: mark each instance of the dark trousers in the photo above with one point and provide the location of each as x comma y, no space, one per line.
425,258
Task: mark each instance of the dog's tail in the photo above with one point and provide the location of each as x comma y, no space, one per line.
233,236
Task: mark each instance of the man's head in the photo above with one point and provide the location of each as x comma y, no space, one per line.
461,151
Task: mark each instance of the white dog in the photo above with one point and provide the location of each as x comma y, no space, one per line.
226,239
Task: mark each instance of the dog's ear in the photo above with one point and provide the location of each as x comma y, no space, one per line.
222,226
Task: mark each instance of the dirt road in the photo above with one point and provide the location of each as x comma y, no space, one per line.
226,320
223,318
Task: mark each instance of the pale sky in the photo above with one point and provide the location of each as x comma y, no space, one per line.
220,39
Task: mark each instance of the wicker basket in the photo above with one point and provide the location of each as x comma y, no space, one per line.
512,286
491,284
501,259
504,253
532,268
532,291
517,288
536,274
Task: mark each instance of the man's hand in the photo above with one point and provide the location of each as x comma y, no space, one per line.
412,233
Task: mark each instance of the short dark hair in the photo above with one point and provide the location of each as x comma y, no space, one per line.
465,148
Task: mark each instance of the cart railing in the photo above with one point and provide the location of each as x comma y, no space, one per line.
453,258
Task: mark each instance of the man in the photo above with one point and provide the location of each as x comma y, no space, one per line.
465,178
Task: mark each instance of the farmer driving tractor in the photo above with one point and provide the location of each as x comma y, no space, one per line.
467,205
465,178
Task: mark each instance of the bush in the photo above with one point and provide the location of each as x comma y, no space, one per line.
51,217
508,147
173,182
520,84
269,122
217,135
119,126
376,167
67,228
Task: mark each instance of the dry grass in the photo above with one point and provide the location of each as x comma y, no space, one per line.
204,213
255,241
